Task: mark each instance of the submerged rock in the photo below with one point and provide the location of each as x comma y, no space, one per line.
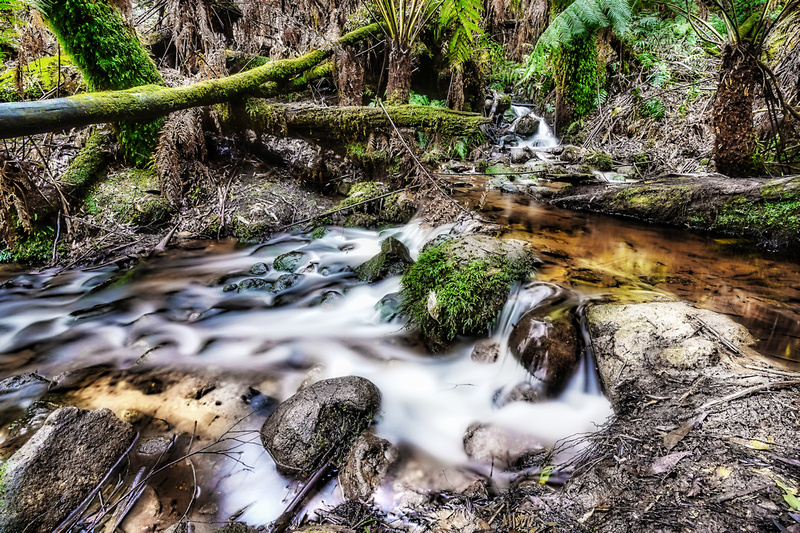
365,466
392,260
498,445
545,341
46,479
318,423
288,262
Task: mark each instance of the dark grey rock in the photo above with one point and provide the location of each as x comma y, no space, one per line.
391,261
285,281
254,284
319,422
259,269
389,306
526,125
288,262
46,479
545,341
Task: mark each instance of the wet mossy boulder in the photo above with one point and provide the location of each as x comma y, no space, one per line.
392,260
545,341
318,423
288,262
48,478
458,286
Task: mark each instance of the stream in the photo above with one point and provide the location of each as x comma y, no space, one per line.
153,338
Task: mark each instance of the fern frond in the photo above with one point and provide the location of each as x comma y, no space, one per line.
575,21
464,17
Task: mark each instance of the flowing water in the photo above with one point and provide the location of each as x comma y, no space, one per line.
257,347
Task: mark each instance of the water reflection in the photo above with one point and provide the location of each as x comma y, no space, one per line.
597,254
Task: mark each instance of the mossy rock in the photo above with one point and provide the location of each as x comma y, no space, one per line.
129,197
458,286
392,260
601,161
390,210
288,262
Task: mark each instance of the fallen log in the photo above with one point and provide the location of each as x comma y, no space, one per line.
151,101
353,121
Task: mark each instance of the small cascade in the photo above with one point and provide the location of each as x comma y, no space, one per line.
543,138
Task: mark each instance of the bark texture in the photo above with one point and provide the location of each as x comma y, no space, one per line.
734,142
398,87
349,76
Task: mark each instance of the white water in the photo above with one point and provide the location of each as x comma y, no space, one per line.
171,315
543,138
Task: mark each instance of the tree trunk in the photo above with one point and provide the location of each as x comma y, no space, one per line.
576,81
398,87
110,57
734,142
150,101
349,76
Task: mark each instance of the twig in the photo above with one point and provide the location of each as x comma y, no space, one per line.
735,349
284,520
747,392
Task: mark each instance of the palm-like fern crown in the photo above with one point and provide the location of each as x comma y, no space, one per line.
464,17
575,21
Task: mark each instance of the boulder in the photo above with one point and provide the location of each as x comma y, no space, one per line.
545,341
365,466
318,423
458,286
526,125
46,479
498,445
634,341
392,260
288,262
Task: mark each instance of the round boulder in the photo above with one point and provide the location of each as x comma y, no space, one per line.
318,423
365,467
545,341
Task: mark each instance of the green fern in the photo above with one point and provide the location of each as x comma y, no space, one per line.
463,17
580,18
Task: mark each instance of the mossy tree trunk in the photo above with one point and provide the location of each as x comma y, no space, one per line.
148,102
110,57
734,141
398,87
576,81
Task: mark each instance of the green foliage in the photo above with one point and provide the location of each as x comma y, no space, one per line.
421,99
109,56
404,19
577,73
38,78
579,19
463,18
652,108
601,161
468,296
461,147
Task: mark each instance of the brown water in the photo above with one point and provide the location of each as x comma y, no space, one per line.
600,254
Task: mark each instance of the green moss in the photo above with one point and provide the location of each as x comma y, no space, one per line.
39,78
153,212
601,161
110,57
467,296
779,213
577,73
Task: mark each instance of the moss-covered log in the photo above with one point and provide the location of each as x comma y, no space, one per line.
152,101
356,121
766,210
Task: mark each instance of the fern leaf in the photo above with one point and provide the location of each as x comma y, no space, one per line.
464,17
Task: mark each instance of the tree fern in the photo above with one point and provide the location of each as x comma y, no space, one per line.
464,18
581,17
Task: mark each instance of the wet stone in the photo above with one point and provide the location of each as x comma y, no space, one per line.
392,260
254,284
318,423
259,269
46,479
486,351
288,262
498,445
230,287
389,306
365,466
285,281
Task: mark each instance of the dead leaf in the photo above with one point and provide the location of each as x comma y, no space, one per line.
674,437
663,464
